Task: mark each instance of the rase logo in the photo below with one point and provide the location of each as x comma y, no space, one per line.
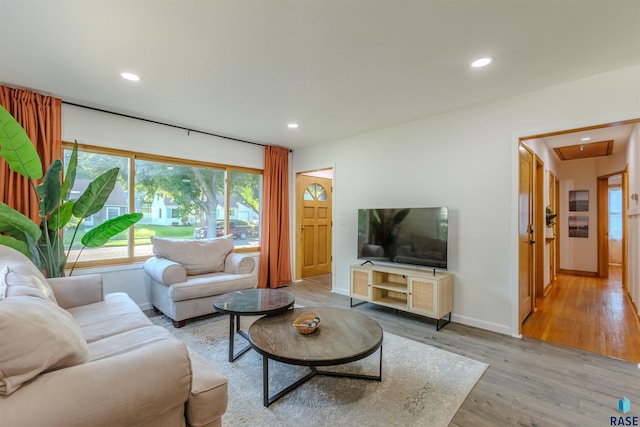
624,406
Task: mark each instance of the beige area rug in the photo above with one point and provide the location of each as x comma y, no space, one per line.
421,385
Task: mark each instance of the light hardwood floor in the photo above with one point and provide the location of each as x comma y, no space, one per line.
529,382
588,313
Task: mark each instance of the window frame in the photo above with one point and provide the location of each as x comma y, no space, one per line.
133,156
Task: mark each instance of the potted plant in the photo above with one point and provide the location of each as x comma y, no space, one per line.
550,216
43,242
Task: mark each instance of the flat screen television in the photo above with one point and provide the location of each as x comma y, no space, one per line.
413,236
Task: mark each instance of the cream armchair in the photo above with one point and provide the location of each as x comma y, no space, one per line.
185,276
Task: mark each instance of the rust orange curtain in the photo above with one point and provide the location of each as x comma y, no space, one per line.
275,265
41,117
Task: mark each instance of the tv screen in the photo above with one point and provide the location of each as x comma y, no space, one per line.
415,236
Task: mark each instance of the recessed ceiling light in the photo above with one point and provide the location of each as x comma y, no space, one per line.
130,76
586,138
482,62
292,125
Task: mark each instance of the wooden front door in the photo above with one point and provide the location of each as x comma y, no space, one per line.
525,234
314,201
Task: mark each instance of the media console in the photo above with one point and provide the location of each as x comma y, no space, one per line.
416,291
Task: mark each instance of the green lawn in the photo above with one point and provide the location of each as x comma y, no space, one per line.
143,234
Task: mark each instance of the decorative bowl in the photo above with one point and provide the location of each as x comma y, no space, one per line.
307,322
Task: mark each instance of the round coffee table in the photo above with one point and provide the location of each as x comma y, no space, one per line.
342,336
250,302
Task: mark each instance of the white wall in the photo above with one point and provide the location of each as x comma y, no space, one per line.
466,160
578,253
633,256
107,130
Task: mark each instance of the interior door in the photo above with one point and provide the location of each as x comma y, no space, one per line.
603,226
315,225
525,234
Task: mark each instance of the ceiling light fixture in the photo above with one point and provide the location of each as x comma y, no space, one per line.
586,138
130,76
482,62
292,126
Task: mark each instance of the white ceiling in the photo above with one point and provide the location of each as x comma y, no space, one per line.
246,68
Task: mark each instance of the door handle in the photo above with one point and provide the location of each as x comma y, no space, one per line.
532,242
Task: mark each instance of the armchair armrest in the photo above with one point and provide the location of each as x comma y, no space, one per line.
165,271
237,263
126,389
75,291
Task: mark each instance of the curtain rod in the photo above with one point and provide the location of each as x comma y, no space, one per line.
162,123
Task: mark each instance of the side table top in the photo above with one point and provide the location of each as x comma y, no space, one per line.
342,336
254,301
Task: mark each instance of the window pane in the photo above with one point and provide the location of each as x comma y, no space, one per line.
615,213
90,166
178,202
246,198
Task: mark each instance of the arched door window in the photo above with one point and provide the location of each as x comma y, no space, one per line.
315,191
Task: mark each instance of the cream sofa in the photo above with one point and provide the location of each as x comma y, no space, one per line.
71,357
185,276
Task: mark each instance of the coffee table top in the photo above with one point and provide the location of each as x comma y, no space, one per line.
254,301
342,336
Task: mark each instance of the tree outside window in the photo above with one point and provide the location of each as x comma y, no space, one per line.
178,199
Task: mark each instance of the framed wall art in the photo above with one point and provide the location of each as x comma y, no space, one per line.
578,226
579,201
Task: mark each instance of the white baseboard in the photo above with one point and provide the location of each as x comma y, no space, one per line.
489,326
344,292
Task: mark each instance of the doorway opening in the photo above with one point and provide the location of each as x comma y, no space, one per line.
584,301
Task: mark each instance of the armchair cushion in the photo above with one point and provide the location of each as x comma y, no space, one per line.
196,256
36,336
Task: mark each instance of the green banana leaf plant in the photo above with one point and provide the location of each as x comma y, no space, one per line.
43,243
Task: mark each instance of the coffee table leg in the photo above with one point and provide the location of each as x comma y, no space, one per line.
265,381
266,399
231,336
233,329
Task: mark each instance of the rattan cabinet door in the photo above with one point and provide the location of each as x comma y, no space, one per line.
361,284
423,296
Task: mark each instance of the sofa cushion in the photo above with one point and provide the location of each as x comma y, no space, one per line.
36,336
127,341
116,314
196,256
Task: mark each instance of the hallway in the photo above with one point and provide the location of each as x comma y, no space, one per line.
588,313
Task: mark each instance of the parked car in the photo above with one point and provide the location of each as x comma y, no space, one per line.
239,228
200,233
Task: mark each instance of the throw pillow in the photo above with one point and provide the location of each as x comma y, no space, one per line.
196,256
13,283
36,336
22,265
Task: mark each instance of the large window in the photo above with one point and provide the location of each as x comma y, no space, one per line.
179,199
